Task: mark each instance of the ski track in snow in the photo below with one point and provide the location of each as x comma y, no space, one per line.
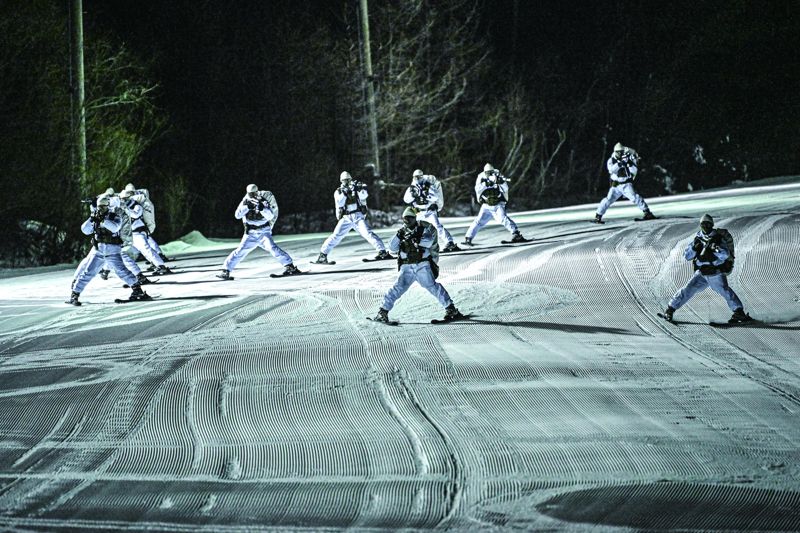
259,403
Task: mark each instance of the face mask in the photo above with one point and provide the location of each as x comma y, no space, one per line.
409,222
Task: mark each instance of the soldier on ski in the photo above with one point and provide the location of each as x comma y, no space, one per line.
258,211
142,241
351,209
114,206
622,168
149,217
426,196
711,256
416,244
491,190
104,227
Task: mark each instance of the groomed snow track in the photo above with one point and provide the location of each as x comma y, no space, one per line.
563,404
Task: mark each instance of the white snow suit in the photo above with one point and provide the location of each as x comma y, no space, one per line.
258,214
140,234
415,249
707,263
622,173
492,192
351,206
426,195
106,249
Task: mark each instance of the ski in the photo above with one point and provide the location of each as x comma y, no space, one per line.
128,301
453,249
229,278
372,259
595,221
448,320
733,324
298,273
645,219
389,323
517,241
323,262
465,243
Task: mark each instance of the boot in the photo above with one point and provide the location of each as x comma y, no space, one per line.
322,258
382,316
668,312
163,270
451,247
141,279
138,294
739,316
467,241
225,274
517,237
73,298
451,313
383,254
598,219
290,270
648,215
104,274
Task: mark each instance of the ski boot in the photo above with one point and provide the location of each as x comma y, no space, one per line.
467,241
141,279
73,299
452,313
322,259
138,294
517,237
290,270
598,219
383,254
451,247
104,274
382,316
225,274
739,317
648,215
668,312
162,270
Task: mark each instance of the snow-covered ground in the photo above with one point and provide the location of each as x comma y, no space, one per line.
564,404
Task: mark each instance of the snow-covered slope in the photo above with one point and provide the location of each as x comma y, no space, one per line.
564,403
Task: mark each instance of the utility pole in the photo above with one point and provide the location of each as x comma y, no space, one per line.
78,93
373,119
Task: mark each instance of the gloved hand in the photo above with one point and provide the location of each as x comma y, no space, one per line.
697,245
433,207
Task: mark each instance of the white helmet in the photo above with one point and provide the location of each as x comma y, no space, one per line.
127,193
488,167
103,201
130,187
418,173
252,188
109,191
345,176
619,148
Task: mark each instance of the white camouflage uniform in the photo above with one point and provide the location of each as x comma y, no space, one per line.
140,234
708,274
622,173
107,249
420,272
258,214
350,210
491,188
425,194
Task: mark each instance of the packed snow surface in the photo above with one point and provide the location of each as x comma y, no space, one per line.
564,403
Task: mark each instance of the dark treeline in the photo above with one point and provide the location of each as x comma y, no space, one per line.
195,99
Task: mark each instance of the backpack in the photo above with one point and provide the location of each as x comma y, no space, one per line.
726,239
148,210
